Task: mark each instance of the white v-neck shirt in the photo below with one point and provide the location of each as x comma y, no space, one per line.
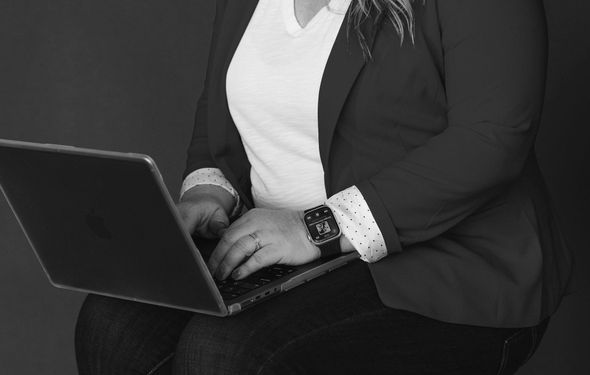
272,85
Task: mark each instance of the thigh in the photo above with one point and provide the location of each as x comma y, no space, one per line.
335,324
391,341
242,343
115,336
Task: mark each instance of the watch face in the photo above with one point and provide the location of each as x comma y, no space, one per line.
321,225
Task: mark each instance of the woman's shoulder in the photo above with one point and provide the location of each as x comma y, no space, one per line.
460,19
490,9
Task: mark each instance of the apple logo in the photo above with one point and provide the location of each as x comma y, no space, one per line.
96,224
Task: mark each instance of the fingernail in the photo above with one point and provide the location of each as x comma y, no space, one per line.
236,274
220,229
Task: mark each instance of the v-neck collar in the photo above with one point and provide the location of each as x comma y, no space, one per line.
293,26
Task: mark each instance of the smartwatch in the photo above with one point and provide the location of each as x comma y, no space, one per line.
322,230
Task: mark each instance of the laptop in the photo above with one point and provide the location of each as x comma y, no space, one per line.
103,222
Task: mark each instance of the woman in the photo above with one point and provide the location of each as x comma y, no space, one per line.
414,123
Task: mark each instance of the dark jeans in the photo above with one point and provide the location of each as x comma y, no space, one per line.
335,324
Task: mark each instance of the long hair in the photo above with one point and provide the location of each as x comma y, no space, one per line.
398,12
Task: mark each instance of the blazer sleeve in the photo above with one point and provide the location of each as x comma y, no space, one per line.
495,56
198,153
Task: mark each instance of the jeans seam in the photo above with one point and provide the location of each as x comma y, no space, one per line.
313,332
160,364
534,338
505,350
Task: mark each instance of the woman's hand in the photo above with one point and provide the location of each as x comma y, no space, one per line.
204,210
260,238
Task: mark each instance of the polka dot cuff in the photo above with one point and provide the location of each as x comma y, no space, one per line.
358,224
211,176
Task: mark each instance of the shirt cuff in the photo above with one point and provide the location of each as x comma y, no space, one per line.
211,176
357,223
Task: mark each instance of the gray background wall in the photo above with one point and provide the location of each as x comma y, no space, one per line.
124,75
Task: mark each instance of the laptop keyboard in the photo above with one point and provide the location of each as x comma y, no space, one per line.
230,288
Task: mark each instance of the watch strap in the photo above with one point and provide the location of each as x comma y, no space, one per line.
330,248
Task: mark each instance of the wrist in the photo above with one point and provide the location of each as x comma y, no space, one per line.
323,230
212,193
346,245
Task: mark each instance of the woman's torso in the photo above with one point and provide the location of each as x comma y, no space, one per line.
506,264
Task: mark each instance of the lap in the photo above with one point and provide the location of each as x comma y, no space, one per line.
333,324
115,336
255,333
336,323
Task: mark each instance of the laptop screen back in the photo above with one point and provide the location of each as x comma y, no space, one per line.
103,222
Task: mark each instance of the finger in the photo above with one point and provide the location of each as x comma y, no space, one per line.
239,251
264,257
218,222
234,232
211,221
197,218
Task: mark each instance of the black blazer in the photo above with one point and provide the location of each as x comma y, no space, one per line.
438,137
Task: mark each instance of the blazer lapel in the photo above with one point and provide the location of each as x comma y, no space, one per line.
343,66
235,20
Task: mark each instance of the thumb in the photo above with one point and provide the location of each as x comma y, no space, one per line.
218,222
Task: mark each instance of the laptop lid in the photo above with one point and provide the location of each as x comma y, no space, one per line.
104,222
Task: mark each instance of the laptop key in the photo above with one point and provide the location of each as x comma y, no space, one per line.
250,285
230,288
235,289
229,295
